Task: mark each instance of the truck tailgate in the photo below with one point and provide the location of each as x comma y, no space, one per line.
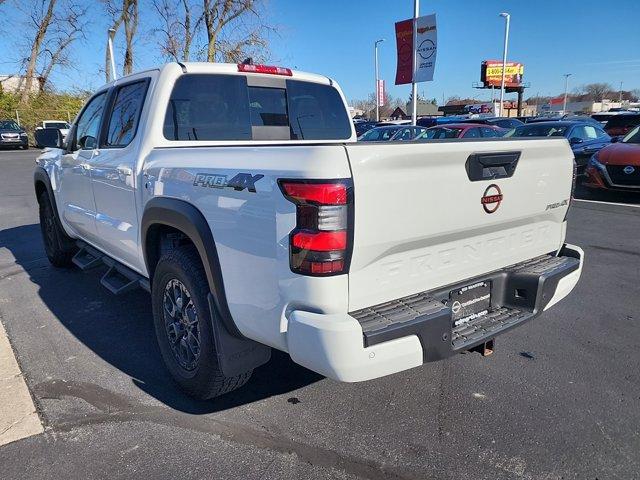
429,214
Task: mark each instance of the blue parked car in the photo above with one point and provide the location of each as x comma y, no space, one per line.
585,138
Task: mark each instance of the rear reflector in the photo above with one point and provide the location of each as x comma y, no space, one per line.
268,69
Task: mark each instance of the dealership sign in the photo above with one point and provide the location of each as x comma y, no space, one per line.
491,73
425,46
380,92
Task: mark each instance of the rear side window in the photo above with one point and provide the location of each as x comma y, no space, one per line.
316,112
125,114
208,107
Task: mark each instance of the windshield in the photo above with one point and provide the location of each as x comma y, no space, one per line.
441,132
59,125
379,134
633,136
9,125
538,131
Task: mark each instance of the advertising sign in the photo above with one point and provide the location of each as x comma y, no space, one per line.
425,45
381,93
491,73
426,48
404,45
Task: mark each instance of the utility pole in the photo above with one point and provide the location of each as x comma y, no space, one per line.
414,85
507,17
620,99
375,48
566,89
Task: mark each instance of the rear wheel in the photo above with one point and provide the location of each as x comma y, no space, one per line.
182,322
58,246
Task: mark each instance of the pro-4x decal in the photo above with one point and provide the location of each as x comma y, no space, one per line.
238,183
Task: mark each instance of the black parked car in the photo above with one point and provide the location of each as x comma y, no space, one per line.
12,135
585,138
362,127
502,122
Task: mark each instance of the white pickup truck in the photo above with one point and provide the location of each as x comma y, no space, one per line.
239,197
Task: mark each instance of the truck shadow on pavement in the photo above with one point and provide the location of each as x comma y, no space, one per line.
120,330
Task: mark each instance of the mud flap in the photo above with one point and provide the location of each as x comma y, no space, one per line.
235,355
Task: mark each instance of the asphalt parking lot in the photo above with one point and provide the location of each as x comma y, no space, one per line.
559,399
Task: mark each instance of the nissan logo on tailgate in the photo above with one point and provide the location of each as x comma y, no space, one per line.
492,198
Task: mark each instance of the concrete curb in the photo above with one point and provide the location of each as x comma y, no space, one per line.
18,416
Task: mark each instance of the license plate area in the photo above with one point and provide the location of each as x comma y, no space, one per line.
470,302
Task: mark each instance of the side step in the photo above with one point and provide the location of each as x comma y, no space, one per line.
118,279
87,258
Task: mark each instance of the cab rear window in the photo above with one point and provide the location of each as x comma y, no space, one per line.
224,107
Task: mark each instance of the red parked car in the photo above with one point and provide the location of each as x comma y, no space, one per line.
617,166
462,130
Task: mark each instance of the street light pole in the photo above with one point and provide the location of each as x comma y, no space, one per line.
566,89
620,98
375,48
507,17
414,85
110,34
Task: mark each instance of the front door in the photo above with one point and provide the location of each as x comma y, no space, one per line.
113,176
78,207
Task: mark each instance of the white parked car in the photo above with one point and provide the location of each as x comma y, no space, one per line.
238,196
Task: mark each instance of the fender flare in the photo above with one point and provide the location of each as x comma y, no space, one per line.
185,217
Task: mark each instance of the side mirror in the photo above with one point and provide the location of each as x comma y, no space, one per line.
575,140
48,137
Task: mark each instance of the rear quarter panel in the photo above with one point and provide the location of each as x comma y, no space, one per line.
251,230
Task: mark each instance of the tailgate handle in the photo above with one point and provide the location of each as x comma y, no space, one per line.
491,166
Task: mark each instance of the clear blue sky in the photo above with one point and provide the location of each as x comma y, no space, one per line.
596,41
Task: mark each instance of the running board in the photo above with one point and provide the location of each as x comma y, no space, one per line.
118,279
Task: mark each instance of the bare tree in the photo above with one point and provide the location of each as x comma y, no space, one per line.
123,12
597,91
41,16
178,28
68,27
53,25
234,29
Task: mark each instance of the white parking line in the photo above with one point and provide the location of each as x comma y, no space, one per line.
18,415
607,203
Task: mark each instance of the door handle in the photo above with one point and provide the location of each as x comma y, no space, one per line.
126,171
85,166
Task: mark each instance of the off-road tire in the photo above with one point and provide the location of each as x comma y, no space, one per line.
58,246
205,380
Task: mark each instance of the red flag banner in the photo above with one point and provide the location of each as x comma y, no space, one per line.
404,44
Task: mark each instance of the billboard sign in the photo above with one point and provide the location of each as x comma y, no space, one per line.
491,73
425,44
380,93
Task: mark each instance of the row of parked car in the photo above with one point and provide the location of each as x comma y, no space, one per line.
606,147
13,135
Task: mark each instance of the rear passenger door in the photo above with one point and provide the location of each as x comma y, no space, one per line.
113,174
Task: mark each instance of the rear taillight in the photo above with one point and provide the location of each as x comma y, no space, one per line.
269,69
320,245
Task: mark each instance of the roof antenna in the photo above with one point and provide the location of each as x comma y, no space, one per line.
247,61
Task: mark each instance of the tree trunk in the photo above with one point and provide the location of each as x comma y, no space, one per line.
130,18
35,52
187,31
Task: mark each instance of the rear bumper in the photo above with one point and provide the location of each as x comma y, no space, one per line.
408,332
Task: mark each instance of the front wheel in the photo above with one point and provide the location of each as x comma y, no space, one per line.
182,323
58,245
